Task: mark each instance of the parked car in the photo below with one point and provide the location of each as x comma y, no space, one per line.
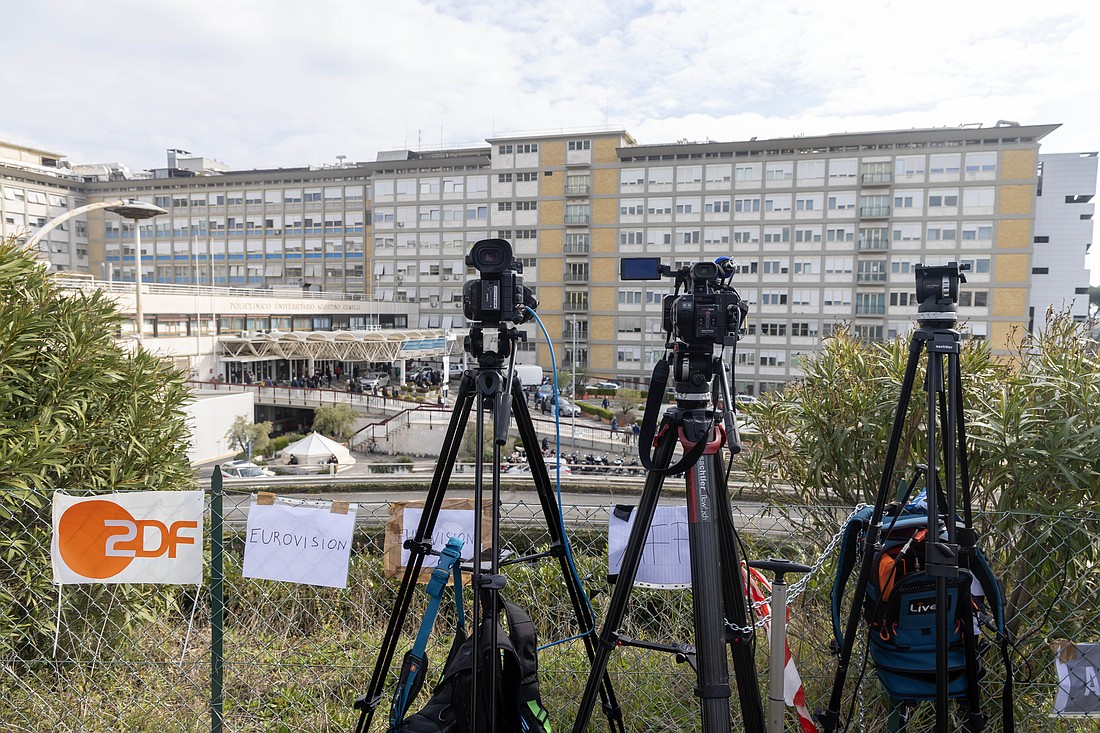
454,371
746,399
371,380
545,391
566,408
613,386
244,469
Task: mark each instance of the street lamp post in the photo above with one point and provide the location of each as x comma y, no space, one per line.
137,211
127,209
573,387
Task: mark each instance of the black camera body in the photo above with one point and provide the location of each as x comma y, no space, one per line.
708,314
938,292
499,294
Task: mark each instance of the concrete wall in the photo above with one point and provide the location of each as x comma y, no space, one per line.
210,416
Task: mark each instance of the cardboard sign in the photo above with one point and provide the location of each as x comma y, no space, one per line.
1078,668
299,543
666,557
134,537
455,519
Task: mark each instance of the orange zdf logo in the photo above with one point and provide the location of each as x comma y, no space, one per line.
99,539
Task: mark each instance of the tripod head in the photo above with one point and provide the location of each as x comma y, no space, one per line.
938,293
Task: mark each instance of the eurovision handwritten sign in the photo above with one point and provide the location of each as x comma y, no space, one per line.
666,557
132,537
299,543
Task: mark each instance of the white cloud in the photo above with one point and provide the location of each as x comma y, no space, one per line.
261,83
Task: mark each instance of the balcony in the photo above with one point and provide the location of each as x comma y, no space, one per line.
576,307
578,190
577,219
876,179
581,334
874,245
874,212
576,249
870,310
576,277
871,277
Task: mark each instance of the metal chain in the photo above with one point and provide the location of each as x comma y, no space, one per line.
798,587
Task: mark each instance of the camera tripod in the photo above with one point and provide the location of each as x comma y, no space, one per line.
500,394
718,594
950,544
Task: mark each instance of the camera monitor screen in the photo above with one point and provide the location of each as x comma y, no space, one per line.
640,268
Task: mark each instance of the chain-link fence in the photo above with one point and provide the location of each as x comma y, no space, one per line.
295,657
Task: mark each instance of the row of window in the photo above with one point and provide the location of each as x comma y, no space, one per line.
974,201
869,238
270,197
30,196
836,171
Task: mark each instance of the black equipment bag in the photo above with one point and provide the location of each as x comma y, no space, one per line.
518,702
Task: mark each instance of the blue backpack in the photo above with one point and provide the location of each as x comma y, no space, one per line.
899,607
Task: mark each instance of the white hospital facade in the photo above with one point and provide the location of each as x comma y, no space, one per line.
825,230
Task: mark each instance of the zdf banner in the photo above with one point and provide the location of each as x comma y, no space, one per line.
135,537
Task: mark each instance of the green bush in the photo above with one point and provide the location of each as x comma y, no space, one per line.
595,411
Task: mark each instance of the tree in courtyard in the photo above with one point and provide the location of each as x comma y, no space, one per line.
250,436
335,421
81,414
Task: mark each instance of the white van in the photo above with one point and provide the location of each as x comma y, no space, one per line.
530,375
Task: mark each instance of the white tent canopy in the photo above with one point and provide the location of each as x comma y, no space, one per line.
315,449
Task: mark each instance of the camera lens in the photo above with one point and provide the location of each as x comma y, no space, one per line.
490,256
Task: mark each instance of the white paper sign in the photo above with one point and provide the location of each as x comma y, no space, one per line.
1079,682
449,523
133,537
666,558
298,544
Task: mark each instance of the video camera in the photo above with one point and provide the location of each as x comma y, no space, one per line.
709,311
499,294
938,292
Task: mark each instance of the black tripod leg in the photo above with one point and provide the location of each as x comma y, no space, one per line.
831,716
635,545
735,602
552,513
451,443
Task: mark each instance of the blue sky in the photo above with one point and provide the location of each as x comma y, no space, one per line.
273,83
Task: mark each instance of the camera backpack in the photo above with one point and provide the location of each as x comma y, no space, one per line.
518,702
899,606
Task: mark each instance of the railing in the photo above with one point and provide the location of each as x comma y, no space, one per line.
577,218
874,244
576,277
581,190
80,283
871,277
576,307
874,212
876,179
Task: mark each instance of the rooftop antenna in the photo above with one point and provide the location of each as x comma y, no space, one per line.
340,160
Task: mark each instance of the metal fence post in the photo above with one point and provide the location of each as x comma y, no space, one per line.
217,603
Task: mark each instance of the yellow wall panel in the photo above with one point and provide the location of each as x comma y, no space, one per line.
603,150
604,240
549,296
601,358
1014,233
550,241
553,185
552,153
605,270
1016,199
1010,268
605,211
1018,164
1009,302
605,181
602,327
601,299
551,213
